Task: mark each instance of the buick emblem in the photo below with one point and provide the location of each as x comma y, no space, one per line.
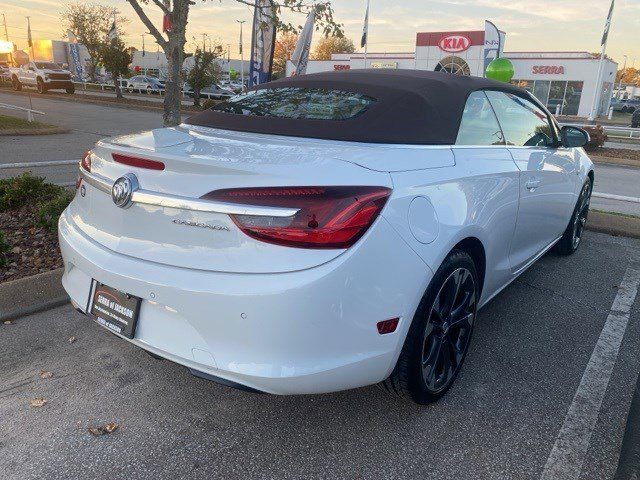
122,190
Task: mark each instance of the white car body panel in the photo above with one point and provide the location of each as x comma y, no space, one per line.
290,320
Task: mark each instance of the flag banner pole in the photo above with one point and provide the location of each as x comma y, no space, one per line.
593,113
300,55
262,43
491,44
364,41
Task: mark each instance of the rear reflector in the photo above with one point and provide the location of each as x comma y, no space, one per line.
138,162
388,326
328,217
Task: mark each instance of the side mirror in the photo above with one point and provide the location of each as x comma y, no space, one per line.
573,137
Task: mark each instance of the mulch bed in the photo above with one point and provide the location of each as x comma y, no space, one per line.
32,248
623,153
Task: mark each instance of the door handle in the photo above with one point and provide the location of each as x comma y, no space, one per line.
532,185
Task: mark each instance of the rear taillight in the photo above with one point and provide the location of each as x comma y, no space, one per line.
85,163
327,217
137,162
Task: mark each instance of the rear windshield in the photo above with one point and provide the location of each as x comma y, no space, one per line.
298,103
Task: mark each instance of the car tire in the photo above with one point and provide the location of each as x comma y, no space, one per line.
572,236
71,90
17,86
439,336
41,86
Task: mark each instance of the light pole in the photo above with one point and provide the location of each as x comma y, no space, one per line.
624,67
241,55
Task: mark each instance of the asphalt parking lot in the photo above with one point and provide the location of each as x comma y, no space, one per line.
531,349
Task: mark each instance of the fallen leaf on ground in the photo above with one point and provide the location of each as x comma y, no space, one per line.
37,402
108,428
72,339
7,322
45,374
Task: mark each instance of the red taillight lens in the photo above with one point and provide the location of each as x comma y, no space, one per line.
85,163
138,162
328,217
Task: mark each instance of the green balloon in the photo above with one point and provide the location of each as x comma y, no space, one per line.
500,69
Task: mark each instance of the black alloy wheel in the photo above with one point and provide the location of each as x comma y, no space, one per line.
448,330
440,333
572,236
582,213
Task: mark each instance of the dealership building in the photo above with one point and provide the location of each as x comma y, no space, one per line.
564,81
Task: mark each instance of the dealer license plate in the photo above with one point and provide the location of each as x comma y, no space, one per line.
113,309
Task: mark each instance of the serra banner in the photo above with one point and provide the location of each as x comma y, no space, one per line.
262,43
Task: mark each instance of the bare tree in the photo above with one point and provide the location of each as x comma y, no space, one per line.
90,23
173,41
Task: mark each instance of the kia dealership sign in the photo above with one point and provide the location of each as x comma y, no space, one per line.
547,70
454,43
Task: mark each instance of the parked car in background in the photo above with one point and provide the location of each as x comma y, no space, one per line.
631,105
617,105
215,92
145,84
635,118
325,231
5,73
235,87
42,75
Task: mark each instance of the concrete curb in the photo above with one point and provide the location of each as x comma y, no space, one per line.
619,225
32,294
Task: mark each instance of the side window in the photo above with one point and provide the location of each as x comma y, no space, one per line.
524,124
478,125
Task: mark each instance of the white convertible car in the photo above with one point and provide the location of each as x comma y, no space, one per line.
327,231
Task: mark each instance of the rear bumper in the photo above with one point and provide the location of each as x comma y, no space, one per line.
309,331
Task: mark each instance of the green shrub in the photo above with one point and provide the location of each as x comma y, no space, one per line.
4,248
49,212
17,191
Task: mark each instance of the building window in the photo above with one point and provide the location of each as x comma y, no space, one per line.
572,97
556,101
541,90
455,65
555,93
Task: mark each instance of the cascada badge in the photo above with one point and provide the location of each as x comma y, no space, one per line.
122,190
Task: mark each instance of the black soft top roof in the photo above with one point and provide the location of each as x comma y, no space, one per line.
413,107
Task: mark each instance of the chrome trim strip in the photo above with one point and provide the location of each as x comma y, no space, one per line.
147,197
95,180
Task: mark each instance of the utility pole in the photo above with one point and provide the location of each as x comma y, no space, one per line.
204,42
241,55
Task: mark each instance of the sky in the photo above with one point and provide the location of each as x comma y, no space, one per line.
531,25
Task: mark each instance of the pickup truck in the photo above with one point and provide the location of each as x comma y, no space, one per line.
42,75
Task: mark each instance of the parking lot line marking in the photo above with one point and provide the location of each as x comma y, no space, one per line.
570,448
46,163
